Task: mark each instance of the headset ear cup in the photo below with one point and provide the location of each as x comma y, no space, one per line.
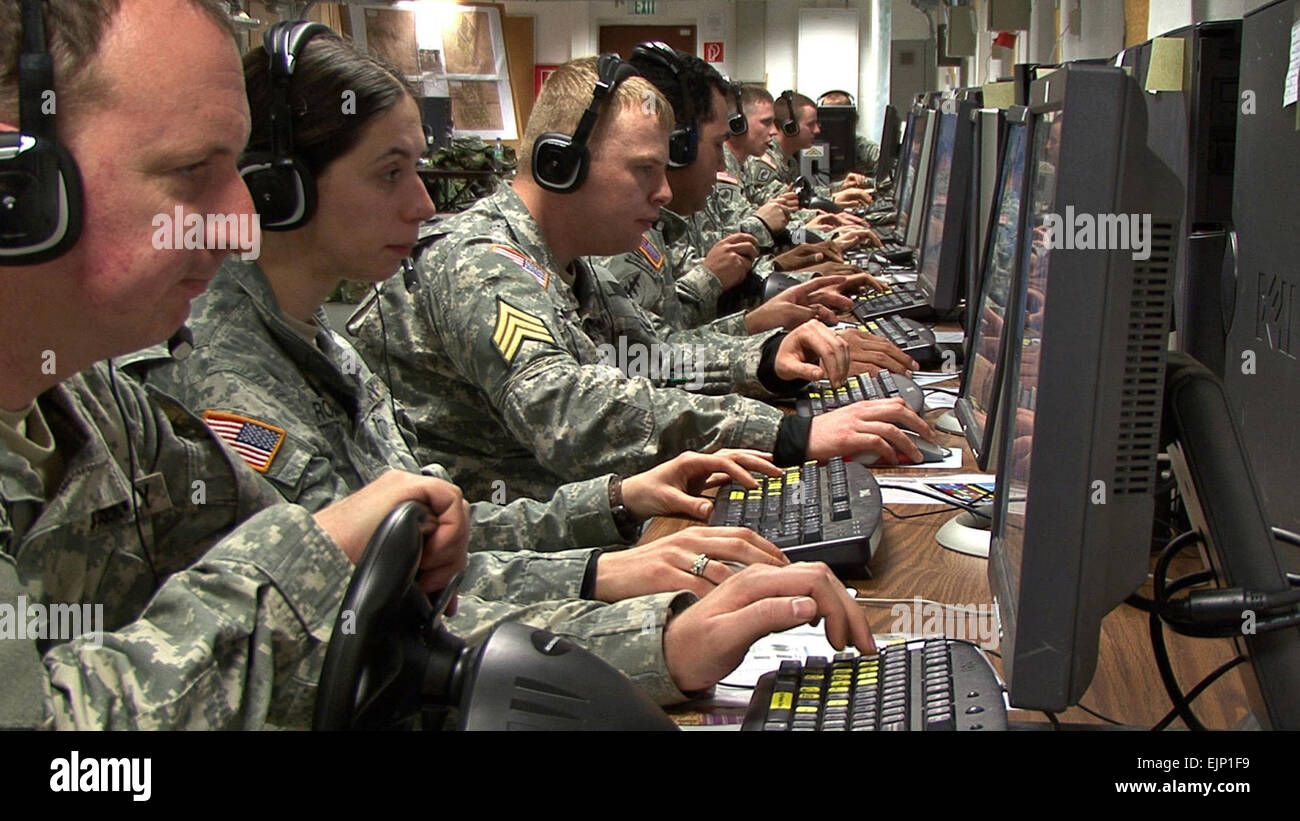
683,147
557,165
40,200
791,128
283,190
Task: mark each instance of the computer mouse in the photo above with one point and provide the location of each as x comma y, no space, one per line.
930,452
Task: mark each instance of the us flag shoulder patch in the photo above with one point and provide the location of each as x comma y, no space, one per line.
766,159
534,270
515,327
651,253
257,442
728,177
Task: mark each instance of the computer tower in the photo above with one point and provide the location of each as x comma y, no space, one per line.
1261,365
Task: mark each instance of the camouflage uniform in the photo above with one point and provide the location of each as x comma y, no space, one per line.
727,210
233,636
336,414
499,359
230,638
340,434
667,278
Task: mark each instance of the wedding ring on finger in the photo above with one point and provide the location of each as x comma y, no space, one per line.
701,562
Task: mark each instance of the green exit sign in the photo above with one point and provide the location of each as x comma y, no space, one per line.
643,6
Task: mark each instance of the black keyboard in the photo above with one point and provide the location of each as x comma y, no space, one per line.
822,397
903,298
814,513
925,684
910,336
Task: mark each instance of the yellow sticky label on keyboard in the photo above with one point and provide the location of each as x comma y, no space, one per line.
837,702
837,689
781,701
737,495
805,709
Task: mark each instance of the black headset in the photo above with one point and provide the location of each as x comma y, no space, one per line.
789,125
737,123
560,162
684,142
282,186
40,186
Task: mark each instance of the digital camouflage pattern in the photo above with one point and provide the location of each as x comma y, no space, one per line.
337,414
497,356
667,278
727,210
230,638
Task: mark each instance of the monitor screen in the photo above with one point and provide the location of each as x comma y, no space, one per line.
916,153
888,145
938,201
1080,422
981,385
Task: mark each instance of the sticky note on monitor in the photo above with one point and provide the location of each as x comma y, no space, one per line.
1165,72
999,95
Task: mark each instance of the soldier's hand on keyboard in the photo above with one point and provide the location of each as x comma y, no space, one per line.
673,488
873,354
868,426
812,351
856,283
666,564
852,236
351,522
850,197
801,256
730,259
814,299
709,639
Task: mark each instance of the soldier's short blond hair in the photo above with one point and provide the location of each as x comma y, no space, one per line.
567,93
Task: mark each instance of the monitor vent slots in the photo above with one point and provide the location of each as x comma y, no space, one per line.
1144,363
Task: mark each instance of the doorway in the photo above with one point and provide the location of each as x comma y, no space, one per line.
622,39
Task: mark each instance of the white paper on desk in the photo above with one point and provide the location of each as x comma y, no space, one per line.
898,277
1289,93
949,337
924,378
938,399
894,496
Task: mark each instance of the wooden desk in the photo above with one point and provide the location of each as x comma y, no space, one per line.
1126,686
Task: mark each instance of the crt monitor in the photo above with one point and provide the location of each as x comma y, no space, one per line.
983,382
911,196
942,226
1080,433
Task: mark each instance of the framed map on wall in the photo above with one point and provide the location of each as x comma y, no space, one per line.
453,50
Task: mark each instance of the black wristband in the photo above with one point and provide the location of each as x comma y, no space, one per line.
767,370
792,440
589,577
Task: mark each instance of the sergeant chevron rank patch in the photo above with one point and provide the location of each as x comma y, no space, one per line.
515,327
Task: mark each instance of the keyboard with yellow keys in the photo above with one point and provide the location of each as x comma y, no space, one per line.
901,298
815,513
924,684
822,398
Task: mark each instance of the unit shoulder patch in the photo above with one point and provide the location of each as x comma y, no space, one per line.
525,262
514,327
256,442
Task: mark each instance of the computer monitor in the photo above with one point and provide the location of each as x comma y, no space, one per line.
911,197
1262,359
1194,131
983,381
987,150
942,228
1080,435
839,126
904,154
889,138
